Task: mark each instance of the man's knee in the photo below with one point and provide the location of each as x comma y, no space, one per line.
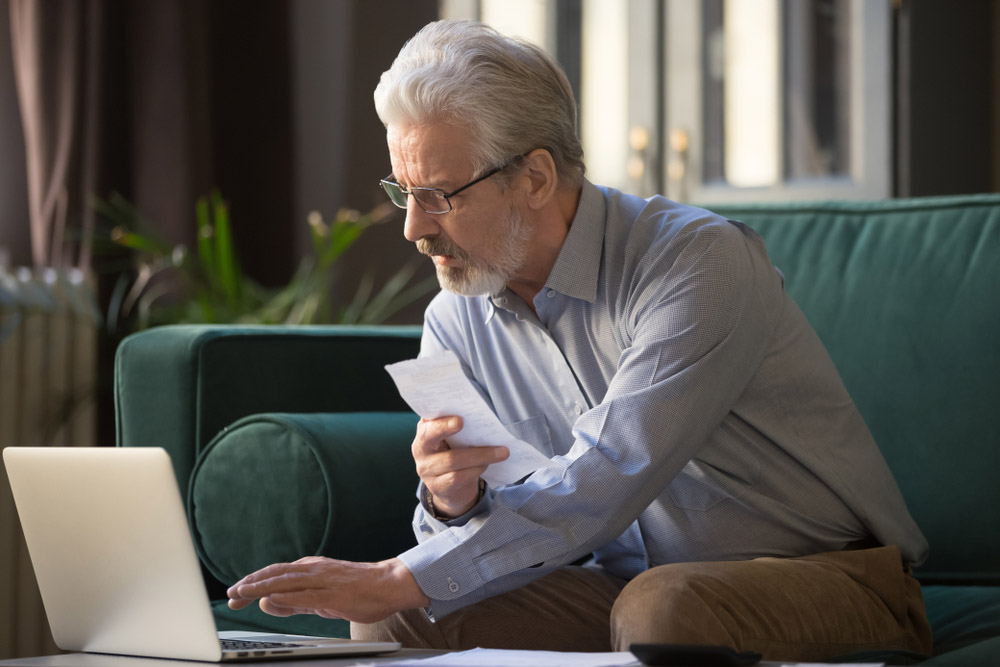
671,604
374,632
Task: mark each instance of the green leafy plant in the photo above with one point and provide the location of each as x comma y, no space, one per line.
170,284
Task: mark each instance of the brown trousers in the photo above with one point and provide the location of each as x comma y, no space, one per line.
795,609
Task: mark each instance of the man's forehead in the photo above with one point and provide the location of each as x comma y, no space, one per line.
437,151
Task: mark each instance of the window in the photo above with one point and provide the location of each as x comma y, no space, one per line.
777,99
722,100
607,64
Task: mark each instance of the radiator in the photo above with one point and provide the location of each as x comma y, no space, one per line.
48,381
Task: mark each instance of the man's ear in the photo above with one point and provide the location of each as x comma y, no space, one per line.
542,178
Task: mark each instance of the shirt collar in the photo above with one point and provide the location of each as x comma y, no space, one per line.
576,269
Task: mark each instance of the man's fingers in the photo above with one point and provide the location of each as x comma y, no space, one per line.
279,577
431,434
465,459
310,599
363,592
277,606
284,594
280,583
310,585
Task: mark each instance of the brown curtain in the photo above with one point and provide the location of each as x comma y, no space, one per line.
55,54
51,355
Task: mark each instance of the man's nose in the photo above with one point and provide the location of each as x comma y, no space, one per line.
419,223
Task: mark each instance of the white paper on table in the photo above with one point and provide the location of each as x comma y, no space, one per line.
482,657
436,387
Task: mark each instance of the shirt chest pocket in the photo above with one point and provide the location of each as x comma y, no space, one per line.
535,432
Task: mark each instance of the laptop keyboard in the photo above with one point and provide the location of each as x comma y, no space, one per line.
248,645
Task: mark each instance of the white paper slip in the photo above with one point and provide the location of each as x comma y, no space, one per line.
481,657
824,664
436,387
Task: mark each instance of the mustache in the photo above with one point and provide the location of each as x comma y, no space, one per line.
439,246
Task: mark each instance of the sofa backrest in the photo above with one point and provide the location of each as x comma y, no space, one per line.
905,295
177,387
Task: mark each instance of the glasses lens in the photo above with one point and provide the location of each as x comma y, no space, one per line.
396,194
431,200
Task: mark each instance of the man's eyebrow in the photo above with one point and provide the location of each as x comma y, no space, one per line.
444,186
438,180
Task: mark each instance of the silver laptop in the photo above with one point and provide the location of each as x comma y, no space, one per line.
112,552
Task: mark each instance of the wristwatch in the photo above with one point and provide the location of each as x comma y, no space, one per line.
430,501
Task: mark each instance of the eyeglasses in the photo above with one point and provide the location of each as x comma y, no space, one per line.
433,200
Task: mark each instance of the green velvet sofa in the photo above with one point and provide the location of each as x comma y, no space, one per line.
292,441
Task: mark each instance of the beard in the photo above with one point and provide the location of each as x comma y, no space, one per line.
506,256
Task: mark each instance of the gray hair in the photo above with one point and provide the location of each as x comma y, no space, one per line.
511,94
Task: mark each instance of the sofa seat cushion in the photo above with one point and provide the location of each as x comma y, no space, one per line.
962,616
277,487
979,654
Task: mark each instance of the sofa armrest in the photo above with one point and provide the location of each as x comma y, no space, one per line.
176,387
277,487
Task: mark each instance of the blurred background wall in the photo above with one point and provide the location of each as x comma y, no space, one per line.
270,102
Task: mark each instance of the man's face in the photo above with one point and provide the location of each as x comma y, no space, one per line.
481,244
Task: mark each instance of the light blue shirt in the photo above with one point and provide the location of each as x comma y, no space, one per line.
697,413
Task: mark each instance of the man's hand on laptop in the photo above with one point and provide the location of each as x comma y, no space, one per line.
360,592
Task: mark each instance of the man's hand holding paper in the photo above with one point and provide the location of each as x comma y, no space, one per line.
435,387
451,475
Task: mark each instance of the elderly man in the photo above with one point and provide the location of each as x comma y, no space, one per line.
719,485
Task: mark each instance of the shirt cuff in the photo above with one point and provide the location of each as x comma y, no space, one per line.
447,575
426,525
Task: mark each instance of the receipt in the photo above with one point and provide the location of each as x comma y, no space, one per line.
436,387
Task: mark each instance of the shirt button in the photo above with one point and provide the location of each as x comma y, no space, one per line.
452,586
578,409
551,293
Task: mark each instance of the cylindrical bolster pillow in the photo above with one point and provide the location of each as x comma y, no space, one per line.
277,487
